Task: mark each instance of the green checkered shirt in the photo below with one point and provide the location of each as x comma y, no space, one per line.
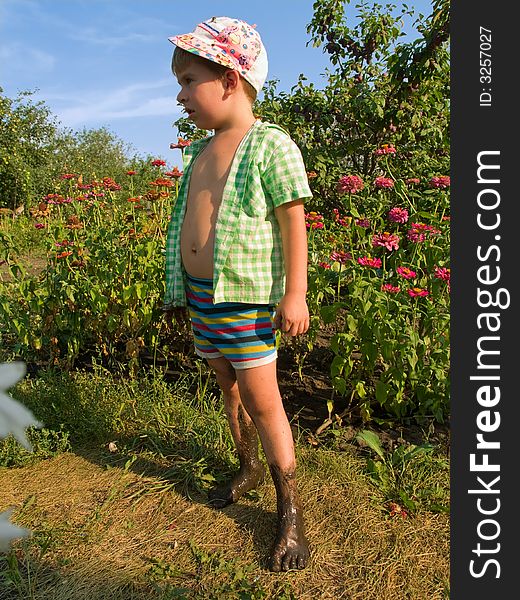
267,171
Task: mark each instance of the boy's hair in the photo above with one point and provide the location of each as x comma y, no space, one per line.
182,59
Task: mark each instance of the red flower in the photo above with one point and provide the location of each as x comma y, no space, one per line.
131,172
68,176
181,143
412,181
64,254
350,184
341,257
174,173
417,292
398,215
385,149
39,225
158,163
406,272
391,289
442,273
367,261
390,241
383,182
440,182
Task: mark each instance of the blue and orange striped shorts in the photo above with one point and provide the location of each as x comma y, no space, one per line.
242,333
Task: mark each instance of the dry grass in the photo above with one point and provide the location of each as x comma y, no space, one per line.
109,534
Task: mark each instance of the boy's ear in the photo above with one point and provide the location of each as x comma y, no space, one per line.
231,80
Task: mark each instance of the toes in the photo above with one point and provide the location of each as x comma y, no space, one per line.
301,562
286,562
276,563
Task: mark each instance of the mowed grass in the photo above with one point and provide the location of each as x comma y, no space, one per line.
115,497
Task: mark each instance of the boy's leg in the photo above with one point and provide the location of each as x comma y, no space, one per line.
244,435
261,398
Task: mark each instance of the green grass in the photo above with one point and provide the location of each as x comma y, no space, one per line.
115,497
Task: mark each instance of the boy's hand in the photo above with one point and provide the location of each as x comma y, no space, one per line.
177,313
292,314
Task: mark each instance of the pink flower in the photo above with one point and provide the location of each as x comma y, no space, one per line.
385,149
363,223
367,261
345,221
383,182
417,292
324,265
39,225
398,215
158,163
406,272
412,181
420,231
341,257
313,220
442,273
68,176
442,182
390,241
350,184
391,289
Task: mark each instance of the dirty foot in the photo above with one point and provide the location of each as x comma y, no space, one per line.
244,481
291,549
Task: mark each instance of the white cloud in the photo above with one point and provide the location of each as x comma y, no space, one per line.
132,101
17,56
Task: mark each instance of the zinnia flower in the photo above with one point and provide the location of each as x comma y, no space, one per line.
420,231
158,163
367,261
175,173
406,272
440,182
417,292
391,289
64,254
442,273
341,257
131,172
385,149
181,143
39,225
390,241
68,176
324,265
363,223
383,182
412,181
311,174
350,184
398,215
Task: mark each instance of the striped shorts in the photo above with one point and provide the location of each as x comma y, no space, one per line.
242,333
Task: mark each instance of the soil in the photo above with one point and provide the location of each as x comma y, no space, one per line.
307,391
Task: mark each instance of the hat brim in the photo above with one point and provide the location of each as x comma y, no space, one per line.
205,50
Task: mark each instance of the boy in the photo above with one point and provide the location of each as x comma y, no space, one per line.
236,256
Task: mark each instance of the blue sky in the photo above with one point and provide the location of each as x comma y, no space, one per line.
107,62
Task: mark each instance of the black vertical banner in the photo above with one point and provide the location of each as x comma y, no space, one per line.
485,401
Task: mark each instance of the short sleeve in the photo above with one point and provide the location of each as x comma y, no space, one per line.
285,177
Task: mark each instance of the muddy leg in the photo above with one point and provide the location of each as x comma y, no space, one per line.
290,549
245,436
261,397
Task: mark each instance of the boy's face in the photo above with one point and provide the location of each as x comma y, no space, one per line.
201,95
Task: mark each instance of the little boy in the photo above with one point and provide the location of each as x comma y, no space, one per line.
236,257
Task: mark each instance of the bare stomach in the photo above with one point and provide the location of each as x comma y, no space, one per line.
197,253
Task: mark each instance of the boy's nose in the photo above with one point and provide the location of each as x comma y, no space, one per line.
181,97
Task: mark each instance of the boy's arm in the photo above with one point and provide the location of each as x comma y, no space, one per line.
292,314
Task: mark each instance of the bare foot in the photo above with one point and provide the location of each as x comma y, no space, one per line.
244,481
290,549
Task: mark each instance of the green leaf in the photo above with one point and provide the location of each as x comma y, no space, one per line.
371,439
